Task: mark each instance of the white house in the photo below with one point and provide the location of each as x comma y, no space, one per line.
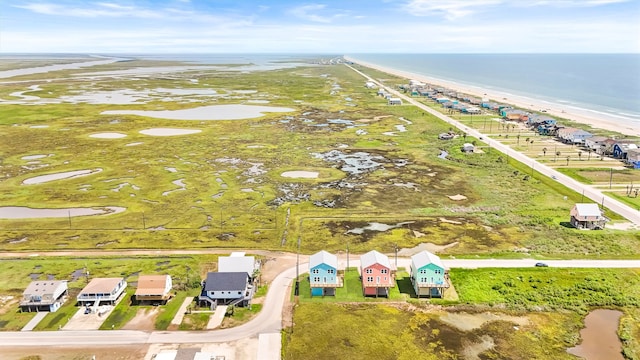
44,295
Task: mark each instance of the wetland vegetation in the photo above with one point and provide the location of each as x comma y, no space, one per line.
375,164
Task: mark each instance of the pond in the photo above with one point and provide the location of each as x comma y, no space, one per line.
212,112
168,132
18,212
108,135
599,336
299,174
59,176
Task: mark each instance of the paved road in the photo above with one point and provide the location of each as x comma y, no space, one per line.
268,321
596,195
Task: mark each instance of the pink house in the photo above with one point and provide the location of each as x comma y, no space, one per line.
377,275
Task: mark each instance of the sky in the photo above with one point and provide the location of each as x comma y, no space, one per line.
320,27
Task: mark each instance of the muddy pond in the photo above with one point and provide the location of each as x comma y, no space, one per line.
212,112
599,337
18,212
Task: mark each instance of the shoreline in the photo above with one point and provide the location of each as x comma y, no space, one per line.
604,121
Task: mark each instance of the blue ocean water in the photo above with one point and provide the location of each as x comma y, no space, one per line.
601,83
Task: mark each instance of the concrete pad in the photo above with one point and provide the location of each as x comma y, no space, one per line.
82,321
269,346
216,320
177,320
35,321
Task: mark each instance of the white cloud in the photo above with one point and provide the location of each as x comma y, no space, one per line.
98,10
455,9
449,9
317,13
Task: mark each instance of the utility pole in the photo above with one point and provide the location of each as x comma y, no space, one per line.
296,291
610,177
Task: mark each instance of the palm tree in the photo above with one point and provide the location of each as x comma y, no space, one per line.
557,154
590,150
567,160
544,151
579,155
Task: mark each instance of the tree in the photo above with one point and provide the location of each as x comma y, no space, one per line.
518,136
557,154
589,151
567,160
544,151
579,155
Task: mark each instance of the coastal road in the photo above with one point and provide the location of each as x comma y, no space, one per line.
596,195
269,320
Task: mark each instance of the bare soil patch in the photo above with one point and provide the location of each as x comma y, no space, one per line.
144,320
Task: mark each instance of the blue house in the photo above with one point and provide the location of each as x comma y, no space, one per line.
323,274
621,148
428,275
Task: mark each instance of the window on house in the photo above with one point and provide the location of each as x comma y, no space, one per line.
369,271
330,271
369,278
423,271
316,279
384,271
315,271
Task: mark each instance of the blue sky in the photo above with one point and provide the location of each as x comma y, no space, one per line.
329,27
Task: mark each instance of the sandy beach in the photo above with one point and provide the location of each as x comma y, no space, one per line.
603,120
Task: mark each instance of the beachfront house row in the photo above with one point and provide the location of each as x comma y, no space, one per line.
377,274
44,296
239,262
102,290
154,289
323,274
587,216
226,288
428,275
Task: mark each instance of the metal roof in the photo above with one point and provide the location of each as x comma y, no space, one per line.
101,285
425,258
323,257
226,281
237,264
374,257
588,210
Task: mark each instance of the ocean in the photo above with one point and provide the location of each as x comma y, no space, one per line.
599,83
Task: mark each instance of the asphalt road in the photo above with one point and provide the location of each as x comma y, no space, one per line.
269,320
596,195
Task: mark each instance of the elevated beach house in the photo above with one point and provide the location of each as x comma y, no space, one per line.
102,290
226,288
239,262
323,274
587,216
633,158
154,289
376,273
428,275
44,296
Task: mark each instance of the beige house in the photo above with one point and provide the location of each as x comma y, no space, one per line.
154,289
102,290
